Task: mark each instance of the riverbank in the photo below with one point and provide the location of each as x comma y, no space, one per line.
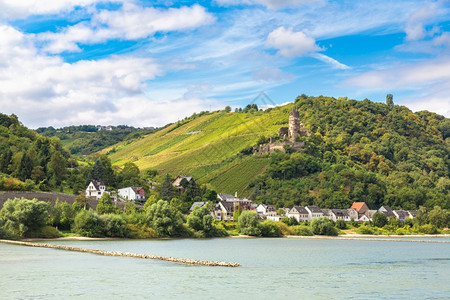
339,237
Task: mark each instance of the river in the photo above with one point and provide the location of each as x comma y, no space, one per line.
276,268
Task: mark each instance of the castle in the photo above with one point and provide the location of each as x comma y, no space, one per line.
288,135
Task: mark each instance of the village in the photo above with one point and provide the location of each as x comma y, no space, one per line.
228,205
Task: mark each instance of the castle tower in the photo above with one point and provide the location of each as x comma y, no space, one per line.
294,125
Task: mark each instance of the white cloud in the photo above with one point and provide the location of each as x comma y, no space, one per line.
415,26
430,80
15,9
331,61
130,22
271,4
290,43
271,74
405,76
296,44
44,90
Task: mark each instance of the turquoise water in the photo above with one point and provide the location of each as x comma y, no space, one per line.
271,269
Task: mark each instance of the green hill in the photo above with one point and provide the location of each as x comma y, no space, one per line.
205,146
358,151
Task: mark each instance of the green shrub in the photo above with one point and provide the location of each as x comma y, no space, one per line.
367,229
88,223
270,229
285,229
249,224
46,232
302,230
323,226
428,229
135,231
113,225
341,224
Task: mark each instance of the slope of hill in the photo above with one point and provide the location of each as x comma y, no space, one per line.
358,151
87,139
205,146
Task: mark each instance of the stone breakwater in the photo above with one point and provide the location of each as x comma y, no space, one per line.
127,254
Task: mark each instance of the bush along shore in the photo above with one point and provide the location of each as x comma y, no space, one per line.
23,218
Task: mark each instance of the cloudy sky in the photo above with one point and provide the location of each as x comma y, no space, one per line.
147,63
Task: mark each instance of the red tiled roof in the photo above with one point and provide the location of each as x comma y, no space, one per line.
358,205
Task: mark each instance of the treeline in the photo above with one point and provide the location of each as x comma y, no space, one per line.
23,218
87,139
361,151
29,161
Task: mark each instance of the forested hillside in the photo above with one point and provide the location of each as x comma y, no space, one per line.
362,151
30,161
358,151
87,139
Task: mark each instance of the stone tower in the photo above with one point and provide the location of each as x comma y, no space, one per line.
294,125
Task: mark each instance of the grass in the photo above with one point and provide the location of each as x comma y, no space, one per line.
210,154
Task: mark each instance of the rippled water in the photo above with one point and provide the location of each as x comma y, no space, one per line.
272,269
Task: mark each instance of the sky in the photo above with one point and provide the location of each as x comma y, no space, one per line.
149,63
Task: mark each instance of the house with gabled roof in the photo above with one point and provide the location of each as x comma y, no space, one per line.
299,213
96,189
177,183
314,211
401,214
339,214
387,211
360,207
266,210
132,193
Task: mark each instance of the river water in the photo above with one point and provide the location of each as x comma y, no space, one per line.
271,269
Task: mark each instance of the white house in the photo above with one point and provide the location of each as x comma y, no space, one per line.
132,193
314,211
96,188
299,213
266,210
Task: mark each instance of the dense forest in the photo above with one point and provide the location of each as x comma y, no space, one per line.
382,154
88,139
28,160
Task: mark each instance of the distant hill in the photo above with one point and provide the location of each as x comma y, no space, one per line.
87,139
357,151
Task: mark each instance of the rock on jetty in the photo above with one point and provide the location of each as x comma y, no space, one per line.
128,254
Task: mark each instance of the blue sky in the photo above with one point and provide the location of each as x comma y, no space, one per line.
147,63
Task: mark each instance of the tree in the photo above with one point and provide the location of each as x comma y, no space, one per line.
249,224
98,170
25,167
227,108
22,216
390,100
105,205
166,190
200,219
323,226
57,167
270,229
130,174
113,225
439,217
379,219
88,223
421,217
165,220
80,202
